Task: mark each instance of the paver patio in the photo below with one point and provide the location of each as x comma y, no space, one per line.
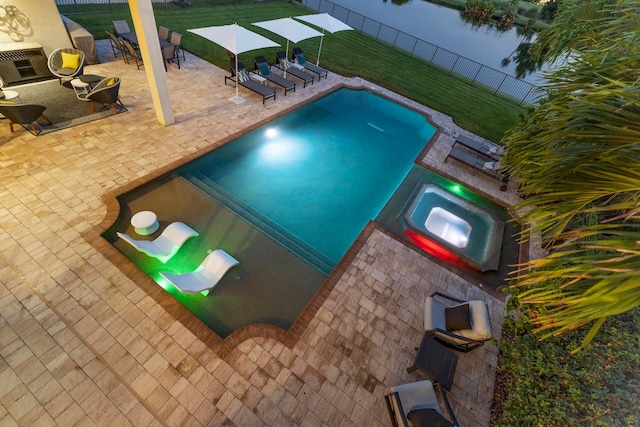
82,344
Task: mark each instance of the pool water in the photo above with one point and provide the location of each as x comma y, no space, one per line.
286,200
314,178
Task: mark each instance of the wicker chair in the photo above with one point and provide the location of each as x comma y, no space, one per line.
24,114
66,63
105,92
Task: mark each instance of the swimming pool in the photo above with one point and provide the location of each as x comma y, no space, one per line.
313,178
286,200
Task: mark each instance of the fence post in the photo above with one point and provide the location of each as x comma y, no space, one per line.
477,72
523,99
454,64
396,39
413,49
500,85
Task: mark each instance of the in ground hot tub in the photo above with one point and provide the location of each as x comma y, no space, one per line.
470,232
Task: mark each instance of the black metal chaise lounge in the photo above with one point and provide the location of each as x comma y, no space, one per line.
480,162
300,59
284,64
488,149
264,69
245,81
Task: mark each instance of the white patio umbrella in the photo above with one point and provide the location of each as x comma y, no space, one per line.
289,29
326,22
235,39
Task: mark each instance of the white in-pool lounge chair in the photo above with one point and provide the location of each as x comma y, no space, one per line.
164,246
206,276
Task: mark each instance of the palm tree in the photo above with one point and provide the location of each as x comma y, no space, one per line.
577,158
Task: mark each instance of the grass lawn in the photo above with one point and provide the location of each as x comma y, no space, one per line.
348,53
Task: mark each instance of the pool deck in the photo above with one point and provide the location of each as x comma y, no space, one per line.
82,344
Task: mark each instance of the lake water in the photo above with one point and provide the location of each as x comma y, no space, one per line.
444,27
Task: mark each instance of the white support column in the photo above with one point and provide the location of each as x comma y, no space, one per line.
144,23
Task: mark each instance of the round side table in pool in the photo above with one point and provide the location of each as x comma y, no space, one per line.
145,222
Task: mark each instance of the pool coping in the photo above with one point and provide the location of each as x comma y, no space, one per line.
224,346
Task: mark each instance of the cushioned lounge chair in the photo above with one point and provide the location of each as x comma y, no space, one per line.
264,69
284,64
206,276
245,81
458,324
489,149
480,162
23,114
416,404
166,245
308,66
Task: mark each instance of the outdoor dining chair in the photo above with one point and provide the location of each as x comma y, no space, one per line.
121,27
163,33
132,53
170,54
176,40
116,46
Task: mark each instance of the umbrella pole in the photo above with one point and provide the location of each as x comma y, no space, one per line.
319,50
237,77
237,99
286,56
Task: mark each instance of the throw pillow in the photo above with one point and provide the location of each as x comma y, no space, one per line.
285,63
490,166
111,81
428,417
264,69
243,76
301,59
70,60
457,318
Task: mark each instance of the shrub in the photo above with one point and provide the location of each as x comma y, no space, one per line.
547,386
479,10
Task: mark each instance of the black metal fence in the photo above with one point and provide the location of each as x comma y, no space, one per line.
486,78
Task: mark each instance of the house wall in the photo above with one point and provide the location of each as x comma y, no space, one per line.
38,22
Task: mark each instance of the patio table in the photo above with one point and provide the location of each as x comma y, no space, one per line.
132,38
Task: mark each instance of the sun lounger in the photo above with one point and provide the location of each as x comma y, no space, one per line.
245,81
284,64
309,66
264,69
489,149
481,163
206,276
164,246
